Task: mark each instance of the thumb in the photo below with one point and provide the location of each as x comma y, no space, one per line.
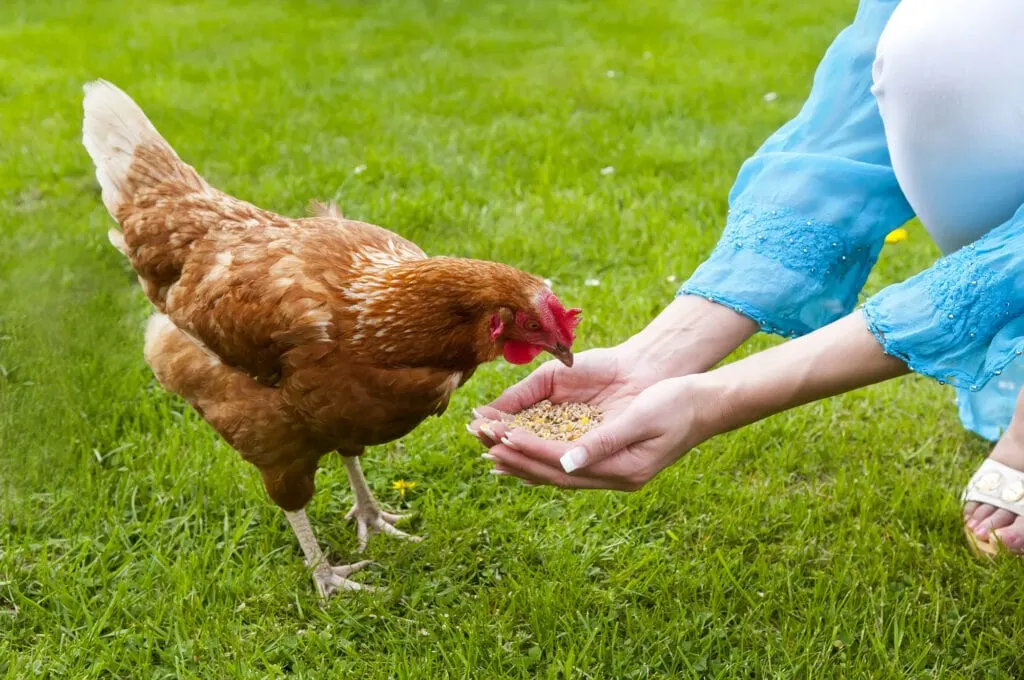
600,443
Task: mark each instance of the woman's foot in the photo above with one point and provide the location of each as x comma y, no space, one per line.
991,524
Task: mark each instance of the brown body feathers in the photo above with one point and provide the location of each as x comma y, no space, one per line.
291,337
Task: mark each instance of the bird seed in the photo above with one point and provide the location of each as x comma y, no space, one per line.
560,422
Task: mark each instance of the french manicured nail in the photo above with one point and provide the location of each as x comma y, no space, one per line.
486,429
526,483
487,456
574,459
477,414
508,442
472,431
498,472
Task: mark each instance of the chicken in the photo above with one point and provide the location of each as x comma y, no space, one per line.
294,338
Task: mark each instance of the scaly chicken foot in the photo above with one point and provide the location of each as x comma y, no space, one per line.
328,579
370,519
375,521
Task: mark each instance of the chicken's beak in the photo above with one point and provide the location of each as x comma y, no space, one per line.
562,353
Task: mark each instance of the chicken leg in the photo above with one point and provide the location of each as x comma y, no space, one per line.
370,519
328,579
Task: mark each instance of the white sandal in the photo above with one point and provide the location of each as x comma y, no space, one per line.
999,485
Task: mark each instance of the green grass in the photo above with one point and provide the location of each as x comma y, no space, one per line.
824,542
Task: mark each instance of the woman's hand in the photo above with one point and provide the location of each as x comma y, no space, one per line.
642,434
689,336
608,378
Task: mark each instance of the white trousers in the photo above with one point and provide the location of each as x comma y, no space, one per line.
949,80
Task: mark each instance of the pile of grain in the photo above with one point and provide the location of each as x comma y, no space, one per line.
561,422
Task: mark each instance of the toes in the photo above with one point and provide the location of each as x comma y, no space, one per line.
326,583
376,521
330,580
1012,536
969,509
349,569
997,520
363,533
386,528
981,512
337,584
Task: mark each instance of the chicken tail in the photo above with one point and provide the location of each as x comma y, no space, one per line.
126,148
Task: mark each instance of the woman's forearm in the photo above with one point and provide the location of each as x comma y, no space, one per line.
840,357
691,335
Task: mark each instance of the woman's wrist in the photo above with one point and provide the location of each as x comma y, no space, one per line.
691,335
838,358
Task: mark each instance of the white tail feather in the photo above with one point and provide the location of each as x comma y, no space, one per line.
114,125
116,239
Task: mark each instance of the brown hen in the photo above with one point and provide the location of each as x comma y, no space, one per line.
294,338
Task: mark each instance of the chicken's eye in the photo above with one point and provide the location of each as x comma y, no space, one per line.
531,326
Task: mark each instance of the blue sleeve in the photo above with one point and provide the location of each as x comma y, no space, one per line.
809,212
962,320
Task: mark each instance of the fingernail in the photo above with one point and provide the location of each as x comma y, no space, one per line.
508,442
498,472
486,429
574,459
473,431
487,456
477,414
526,483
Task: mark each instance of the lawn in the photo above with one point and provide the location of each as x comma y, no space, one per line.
578,140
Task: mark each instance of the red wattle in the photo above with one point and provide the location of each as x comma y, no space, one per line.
519,352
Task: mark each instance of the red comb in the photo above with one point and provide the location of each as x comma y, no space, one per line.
567,319
571,320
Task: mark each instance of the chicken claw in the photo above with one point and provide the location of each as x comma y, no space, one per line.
373,520
370,519
330,580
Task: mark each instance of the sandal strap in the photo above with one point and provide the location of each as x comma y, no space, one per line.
997,484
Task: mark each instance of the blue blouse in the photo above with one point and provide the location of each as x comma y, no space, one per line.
809,213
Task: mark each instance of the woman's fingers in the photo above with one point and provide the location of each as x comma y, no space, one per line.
527,392
483,430
491,413
536,472
605,440
547,451
623,471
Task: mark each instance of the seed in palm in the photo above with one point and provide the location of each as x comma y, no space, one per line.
560,422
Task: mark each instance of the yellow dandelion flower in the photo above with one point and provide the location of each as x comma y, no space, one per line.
897,235
401,486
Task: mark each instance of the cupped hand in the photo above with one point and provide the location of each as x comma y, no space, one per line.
642,433
607,378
